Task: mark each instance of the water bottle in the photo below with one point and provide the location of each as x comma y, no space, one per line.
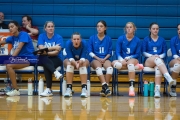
151,89
63,87
41,86
89,87
145,88
30,88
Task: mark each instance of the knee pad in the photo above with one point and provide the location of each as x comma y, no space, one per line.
158,61
117,65
157,72
109,70
70,69
176,68
131,67
99,71
82,70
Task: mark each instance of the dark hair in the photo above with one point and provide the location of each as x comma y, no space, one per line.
150,26
178,25
28,18
16,24
76,33
104,23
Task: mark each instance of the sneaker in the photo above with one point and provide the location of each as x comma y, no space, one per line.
172,91
131,91
58,75
84,93
47,100
171,82
105,92
13,99
157,93
13,92
139,66
68,92
46,93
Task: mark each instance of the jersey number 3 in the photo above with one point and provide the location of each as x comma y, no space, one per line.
101,49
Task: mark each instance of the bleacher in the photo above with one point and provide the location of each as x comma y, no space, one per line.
82,15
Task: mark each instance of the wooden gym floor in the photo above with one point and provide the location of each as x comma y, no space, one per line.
94,107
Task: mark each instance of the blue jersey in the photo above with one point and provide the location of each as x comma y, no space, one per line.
27,49
76,53
125,48
46,42
154,47
101,48
175,45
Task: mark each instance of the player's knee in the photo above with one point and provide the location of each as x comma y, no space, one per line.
82,70
131,67
70,69
157,72
109,70
176,68
117,65
99,71
158,61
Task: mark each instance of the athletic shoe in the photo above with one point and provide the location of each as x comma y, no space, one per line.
105,92
131,91
84,93
13,92
68,92
157,93
13,98
47,100
139,66
172,91
171,82
46,93
58,75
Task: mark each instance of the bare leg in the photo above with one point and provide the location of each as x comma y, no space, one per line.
108,76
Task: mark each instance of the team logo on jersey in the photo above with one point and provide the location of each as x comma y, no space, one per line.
155,49
16,43
128,51
77,56
49,44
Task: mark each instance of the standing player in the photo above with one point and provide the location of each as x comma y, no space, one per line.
52,59
100,49
154,49
76,58
175,60
128,49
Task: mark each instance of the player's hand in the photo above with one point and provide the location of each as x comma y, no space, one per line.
103,61
77,64
178,58
127,58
